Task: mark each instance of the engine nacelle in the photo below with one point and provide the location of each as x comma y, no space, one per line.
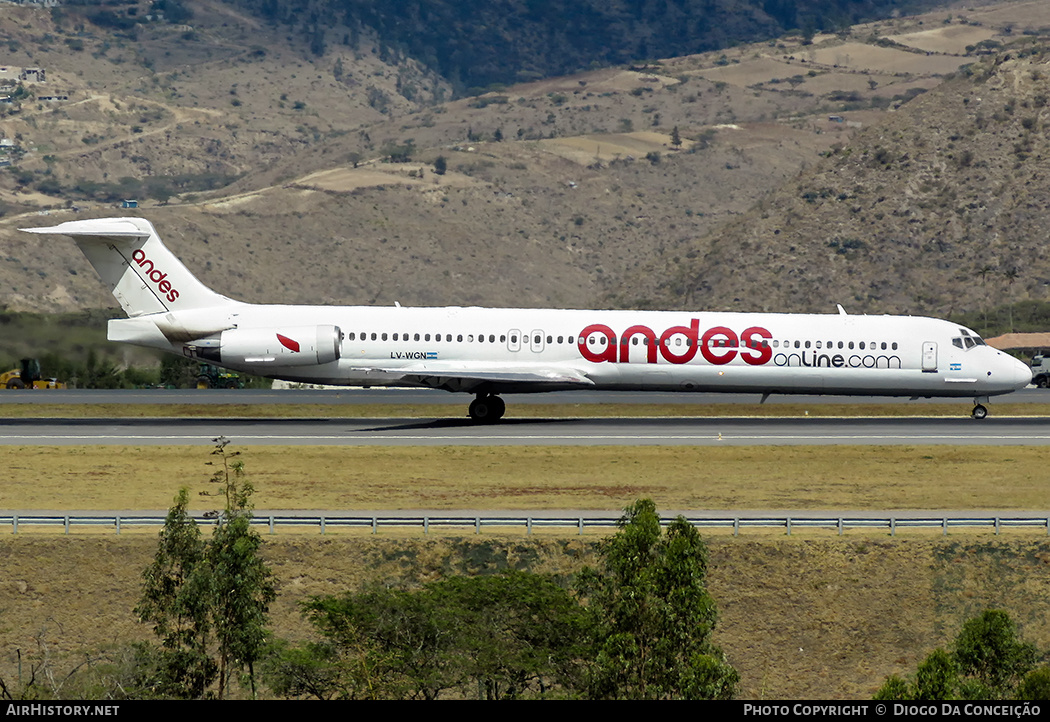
266,347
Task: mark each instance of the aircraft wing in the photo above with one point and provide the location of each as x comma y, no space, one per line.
464,378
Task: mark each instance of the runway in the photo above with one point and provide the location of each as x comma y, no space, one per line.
430,396
531,432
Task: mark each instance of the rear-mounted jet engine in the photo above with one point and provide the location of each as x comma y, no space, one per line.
286,346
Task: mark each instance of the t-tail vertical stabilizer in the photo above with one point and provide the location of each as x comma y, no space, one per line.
145,277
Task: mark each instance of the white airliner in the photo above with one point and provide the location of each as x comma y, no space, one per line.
489,351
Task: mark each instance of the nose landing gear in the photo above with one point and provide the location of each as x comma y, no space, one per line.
487,409
980,411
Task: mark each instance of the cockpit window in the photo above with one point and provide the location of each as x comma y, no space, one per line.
967,340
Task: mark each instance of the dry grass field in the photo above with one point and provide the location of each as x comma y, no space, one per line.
538,478
863,57
949,39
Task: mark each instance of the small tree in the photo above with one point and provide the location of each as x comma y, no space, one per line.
651,615
676,138
207,599
242,584
987,661
440,165
176,593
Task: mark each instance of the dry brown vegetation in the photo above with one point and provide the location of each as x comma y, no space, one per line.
799,618
533,478
564,210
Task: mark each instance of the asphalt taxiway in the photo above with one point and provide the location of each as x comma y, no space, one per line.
619,431
351,396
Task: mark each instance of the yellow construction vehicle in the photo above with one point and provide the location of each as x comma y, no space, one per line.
28,377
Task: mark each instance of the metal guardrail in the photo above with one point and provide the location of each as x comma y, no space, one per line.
477,523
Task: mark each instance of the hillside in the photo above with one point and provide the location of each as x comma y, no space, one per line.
254,155
478,43
941,207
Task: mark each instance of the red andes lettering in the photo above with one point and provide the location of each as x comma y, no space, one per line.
155,275
690,332
708,352
756,353
650,348
608,353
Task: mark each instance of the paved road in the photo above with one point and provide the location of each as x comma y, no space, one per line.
568,432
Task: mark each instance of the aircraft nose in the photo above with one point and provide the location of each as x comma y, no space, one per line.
1022,374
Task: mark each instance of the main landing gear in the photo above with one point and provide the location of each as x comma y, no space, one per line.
486,409
979,410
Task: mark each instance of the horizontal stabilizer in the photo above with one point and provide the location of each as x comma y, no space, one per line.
145,277
97,227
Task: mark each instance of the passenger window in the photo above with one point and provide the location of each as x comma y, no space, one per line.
492,338
350,336
373,335
459,338
384,337
570,339
513,339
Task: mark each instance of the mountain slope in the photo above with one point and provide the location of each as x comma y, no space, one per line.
943,206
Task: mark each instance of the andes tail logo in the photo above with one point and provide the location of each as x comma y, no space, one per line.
290,344
718,345
155,275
